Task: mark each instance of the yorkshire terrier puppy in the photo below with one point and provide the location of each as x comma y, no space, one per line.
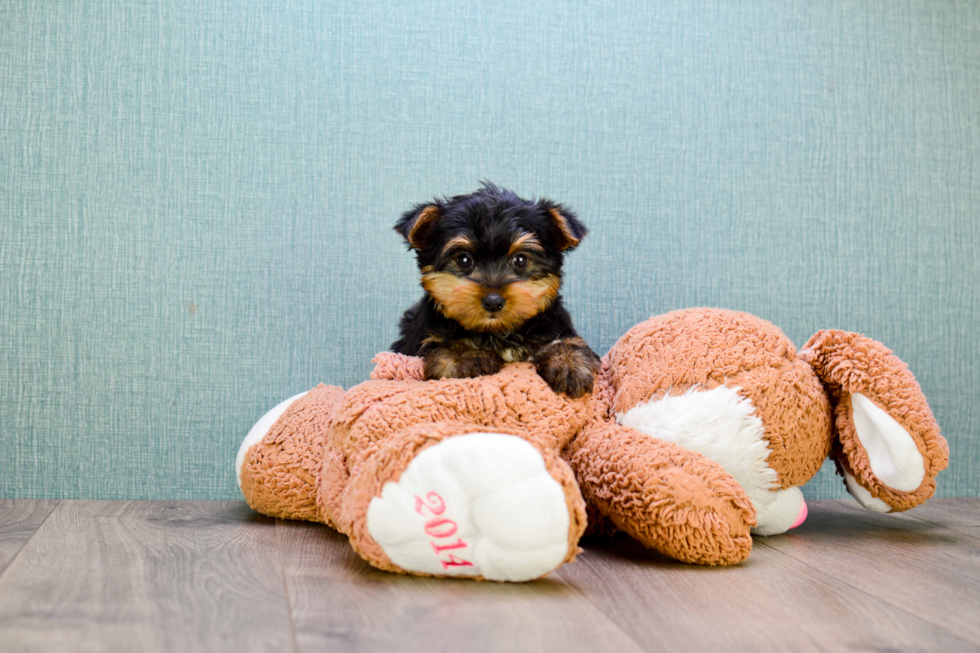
491,271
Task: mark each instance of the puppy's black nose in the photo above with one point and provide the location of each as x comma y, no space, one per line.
493,302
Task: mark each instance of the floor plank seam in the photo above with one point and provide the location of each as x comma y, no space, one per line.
10,564
598,607
884,600
816,644
975,536
285,587
906,515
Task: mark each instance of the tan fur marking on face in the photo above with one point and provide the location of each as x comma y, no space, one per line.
570,240
524,241
525,299
460,300
427,215
456,298
458,241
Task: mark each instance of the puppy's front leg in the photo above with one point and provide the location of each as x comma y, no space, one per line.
457,360
568,365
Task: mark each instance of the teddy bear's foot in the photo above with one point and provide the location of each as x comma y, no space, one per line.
480,504
278,460
786,511
259,431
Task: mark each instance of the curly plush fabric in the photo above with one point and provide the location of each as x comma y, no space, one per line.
689,507
389,366
850,364
703,348
668,498
279,473
332,451
516,397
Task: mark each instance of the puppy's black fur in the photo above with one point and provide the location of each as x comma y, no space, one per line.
491,270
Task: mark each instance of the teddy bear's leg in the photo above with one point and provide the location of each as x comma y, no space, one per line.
259,431
452,500
278,462
888,445
667,497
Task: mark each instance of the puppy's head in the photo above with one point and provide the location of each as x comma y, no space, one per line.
491,260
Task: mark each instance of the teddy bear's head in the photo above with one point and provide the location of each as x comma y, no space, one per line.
674,371
732,387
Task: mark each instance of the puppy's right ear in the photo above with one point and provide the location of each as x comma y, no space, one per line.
571,230
416,224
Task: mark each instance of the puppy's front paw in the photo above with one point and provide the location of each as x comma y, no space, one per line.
568,366
461,363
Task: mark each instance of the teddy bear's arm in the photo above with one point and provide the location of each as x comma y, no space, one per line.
667,497
389,366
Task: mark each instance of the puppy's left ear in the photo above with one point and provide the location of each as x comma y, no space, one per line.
416,223
572,231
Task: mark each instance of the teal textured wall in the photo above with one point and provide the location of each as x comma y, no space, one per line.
196,202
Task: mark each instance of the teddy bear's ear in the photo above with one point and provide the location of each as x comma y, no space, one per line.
571,231
416,224
888,446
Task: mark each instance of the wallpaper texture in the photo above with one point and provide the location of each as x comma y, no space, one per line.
196,199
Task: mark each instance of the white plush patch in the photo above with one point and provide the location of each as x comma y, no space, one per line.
259,431
892,453
781,514
719,424
864,497
480,504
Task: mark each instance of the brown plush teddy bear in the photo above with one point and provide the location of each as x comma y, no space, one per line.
703,425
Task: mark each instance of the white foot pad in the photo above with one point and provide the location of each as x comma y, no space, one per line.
481,504
780,514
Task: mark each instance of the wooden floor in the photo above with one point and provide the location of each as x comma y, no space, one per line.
214,576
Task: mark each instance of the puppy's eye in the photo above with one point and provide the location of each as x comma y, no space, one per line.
464,261
519,261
